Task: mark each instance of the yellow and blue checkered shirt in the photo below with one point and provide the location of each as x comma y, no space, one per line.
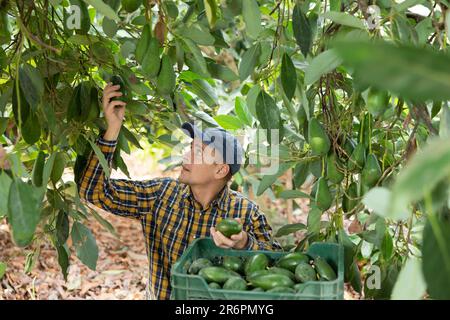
171,218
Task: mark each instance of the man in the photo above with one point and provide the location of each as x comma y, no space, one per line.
173,213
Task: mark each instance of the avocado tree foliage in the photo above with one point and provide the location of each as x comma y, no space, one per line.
354,88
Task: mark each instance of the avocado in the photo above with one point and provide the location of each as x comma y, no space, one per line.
317,138
151,62
371,172
286,272
349,199
291,260
324,270
166,81
217,274
228,227
270,281
117,80
335,172
199,264
357,158
235,283
377,102
323,195
256,262
304,272
233,263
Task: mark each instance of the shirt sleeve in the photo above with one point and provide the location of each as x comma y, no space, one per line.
118,196
260,232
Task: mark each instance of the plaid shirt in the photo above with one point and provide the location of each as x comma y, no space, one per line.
170,217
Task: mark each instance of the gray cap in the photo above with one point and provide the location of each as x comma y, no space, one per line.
222,141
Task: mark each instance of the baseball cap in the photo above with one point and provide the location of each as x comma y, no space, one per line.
221,140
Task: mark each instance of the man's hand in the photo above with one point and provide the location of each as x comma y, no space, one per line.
114,111
237,241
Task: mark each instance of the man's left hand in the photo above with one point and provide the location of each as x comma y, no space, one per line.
236,241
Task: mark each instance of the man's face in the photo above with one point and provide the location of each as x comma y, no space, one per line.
202,165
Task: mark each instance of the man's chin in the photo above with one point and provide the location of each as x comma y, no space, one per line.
183,179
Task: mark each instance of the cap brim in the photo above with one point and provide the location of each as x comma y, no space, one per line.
191,130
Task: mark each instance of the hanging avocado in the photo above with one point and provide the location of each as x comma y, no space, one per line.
318,139
151,61
357,159
117,80
371,172
334,171
349,200
377,102
131,5
323,195
349,146
165,83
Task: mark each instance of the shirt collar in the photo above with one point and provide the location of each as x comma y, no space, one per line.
221,199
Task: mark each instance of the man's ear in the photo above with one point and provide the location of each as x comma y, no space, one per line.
222,171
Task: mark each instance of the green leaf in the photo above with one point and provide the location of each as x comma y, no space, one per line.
130,136
104,9
241,110
252,18
422,173
80,39
378,199
289,228
198,35
221,72
48,168
109,27
85,245
5,183
191,47
324,63
204,91
268,180
101,157
313,221
293,194
248,61
410,283
104,223
387,246
62,227
211,10
302,30
24,211
2,269
228,122
268,114
63,260
252,95
288,76
436,257
137,108
32,84
344,19
402,6
414,73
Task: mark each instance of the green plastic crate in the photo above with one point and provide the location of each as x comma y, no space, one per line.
194,287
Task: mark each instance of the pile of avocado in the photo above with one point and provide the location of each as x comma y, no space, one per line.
261,273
